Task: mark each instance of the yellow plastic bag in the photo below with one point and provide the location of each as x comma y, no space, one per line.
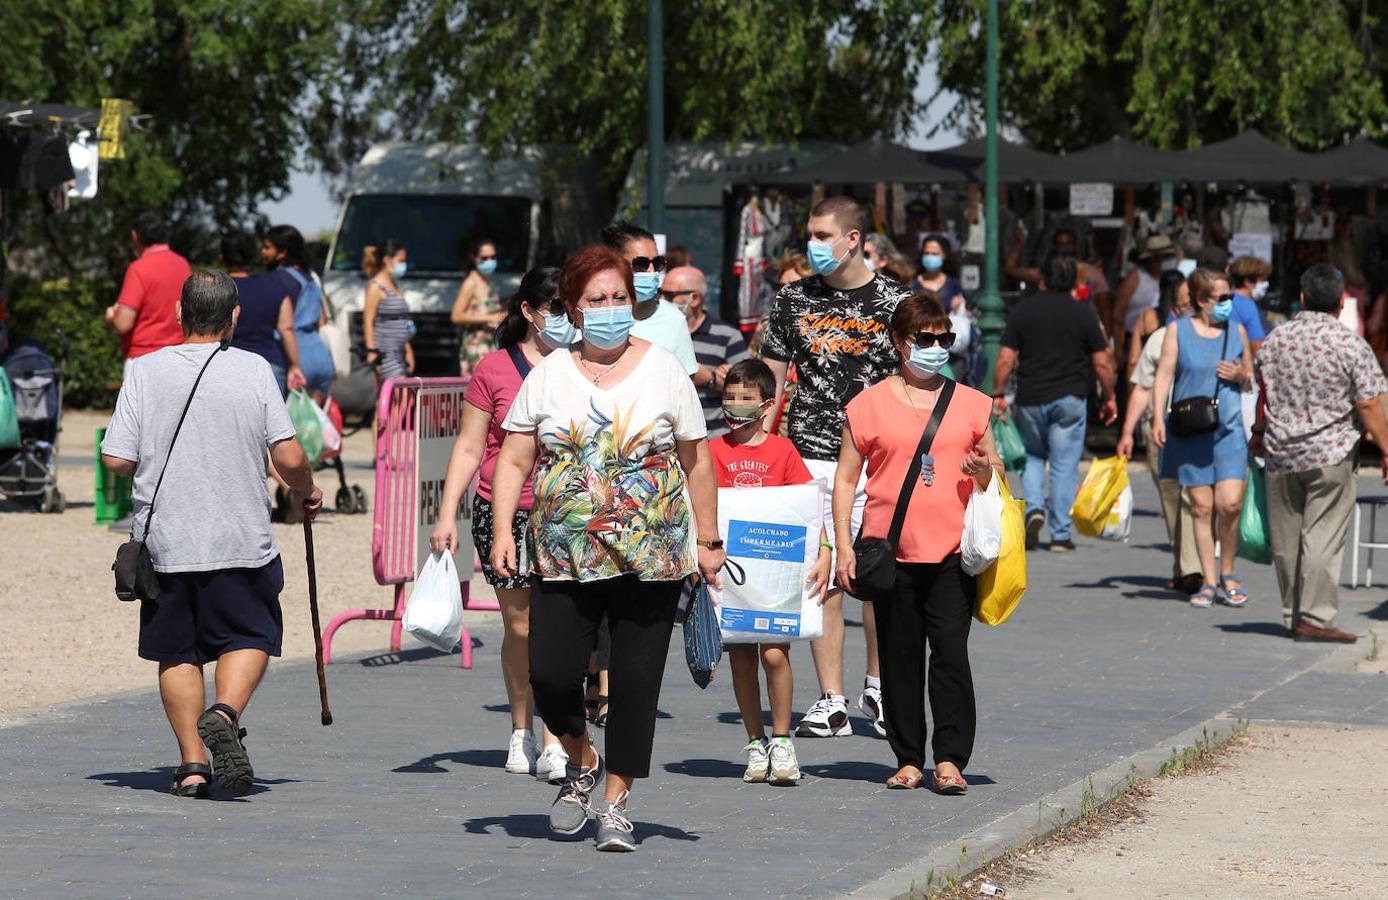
1101,489
1001,585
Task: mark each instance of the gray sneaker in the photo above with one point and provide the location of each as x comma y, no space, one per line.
573,806
614,828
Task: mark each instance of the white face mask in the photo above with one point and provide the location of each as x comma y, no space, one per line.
1260,290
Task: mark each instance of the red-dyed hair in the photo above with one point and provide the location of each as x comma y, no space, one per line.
583,266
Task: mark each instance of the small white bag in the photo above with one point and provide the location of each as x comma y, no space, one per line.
434,613
1120,517
332,438
981,542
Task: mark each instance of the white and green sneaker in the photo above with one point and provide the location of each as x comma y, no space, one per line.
784,767
758,762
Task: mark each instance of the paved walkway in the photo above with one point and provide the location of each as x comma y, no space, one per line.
405,793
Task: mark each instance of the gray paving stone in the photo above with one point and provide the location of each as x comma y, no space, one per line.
405,795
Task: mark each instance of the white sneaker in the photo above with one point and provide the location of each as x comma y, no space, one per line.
521,753
828,717
785,768
870,703
758,762
551,764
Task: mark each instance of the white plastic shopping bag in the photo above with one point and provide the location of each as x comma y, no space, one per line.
1120,517
981,541
773,534
332,438
434,613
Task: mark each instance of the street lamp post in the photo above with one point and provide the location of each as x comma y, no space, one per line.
990,303
655,119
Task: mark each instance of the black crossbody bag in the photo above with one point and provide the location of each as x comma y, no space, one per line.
875,575
134,568
1197,415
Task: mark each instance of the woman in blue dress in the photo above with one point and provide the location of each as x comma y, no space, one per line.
283,250
1206,355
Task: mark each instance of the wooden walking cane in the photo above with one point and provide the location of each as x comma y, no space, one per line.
317,632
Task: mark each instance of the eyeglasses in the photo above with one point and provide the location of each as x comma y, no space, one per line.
648,264
1224,298
671,295
930,338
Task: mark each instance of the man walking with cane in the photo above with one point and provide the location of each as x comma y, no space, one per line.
192,424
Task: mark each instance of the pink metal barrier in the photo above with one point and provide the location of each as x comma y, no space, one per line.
394,541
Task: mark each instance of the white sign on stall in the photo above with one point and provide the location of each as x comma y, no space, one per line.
438,418
1247,243
1091,199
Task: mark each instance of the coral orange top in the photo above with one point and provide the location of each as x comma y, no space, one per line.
886,430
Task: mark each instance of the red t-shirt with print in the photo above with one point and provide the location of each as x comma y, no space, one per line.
771,463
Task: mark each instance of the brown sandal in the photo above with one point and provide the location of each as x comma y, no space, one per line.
949,785
904,782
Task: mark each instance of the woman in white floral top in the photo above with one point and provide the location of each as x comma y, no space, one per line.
625,509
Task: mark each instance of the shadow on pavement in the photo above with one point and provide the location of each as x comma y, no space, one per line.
483,759
1379,612
157,781
537,826
852,770
706,768
1270,629
414,654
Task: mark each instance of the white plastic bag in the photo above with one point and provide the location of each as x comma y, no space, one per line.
773,534
332,438
981,541
339,347
434,613
1120,517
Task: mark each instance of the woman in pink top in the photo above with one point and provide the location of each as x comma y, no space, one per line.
934,598
526,335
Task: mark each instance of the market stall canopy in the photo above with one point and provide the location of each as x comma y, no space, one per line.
1250,157
1121,161
866,163
1015,163
1361,161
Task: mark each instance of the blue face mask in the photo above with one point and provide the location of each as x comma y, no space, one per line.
821,256
647,285
1222,311
606,327
398,270
487,267
558,330
927,361
931,262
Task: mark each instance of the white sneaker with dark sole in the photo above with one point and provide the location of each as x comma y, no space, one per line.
870,704
828,717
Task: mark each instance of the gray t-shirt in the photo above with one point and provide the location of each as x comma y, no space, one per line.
214,507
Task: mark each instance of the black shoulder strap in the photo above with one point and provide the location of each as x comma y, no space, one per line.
518,359
914,472
177,428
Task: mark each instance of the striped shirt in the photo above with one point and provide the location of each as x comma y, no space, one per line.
716,343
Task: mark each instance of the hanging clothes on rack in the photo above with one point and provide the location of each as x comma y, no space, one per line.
83,154
752,301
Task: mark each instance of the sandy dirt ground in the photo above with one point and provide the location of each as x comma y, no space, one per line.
67,636
1296,811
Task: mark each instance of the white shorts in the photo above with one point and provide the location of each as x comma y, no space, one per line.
825,468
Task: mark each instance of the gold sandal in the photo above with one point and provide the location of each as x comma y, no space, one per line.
905,782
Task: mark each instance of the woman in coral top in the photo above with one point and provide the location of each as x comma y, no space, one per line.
934,598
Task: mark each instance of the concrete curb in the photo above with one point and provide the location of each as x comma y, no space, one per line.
1017,829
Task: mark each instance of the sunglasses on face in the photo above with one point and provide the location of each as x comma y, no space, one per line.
648,264
1223,298
673,296
929,339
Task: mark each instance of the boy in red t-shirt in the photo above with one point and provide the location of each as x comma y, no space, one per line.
749,457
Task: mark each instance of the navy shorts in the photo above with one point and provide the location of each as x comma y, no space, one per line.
201,615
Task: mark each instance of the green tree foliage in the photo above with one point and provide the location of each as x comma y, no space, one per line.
509,72
1170,73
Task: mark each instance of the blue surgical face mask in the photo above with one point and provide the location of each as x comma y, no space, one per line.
398,270
821,256
647,285
606,327
558,330
487,266
1222,311
932,262
927,361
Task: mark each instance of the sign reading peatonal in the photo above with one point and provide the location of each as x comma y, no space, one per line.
438,419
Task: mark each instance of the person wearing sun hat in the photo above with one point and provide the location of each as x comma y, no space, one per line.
1139,289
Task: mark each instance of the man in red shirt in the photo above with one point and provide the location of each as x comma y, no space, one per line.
144,313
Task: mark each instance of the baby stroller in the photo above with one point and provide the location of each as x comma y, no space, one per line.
29,472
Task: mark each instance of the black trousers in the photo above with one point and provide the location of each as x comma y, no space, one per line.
564,617
933,603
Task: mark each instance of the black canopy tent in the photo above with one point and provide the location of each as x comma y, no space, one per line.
1251,158
866,163
1120,160
1359,162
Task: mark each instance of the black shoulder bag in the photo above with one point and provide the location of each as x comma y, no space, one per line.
875,575
135,575
1197,415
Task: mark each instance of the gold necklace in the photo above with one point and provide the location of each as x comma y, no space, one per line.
595,375
905,389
